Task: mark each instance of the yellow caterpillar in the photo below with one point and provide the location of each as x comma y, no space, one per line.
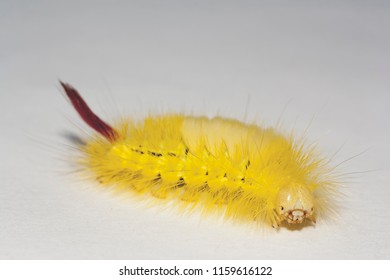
247,172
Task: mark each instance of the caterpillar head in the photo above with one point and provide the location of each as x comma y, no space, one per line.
294,205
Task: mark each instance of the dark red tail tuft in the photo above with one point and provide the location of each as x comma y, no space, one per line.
87,115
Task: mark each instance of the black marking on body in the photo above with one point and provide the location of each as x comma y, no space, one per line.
154,154
138,151
181,183
157,179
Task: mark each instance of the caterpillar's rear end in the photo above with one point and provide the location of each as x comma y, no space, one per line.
246,172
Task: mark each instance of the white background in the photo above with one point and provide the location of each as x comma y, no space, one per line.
322,64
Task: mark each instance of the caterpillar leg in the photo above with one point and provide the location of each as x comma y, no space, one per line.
159,192
275,219
312,218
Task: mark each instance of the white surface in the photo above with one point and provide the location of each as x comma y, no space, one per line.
253,58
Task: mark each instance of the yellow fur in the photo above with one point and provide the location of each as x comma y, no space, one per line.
218,163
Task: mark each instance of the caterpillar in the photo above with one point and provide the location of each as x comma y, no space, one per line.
247,172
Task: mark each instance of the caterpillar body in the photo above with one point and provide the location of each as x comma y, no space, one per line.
245,171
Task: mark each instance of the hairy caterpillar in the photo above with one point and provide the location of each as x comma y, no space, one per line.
249,172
